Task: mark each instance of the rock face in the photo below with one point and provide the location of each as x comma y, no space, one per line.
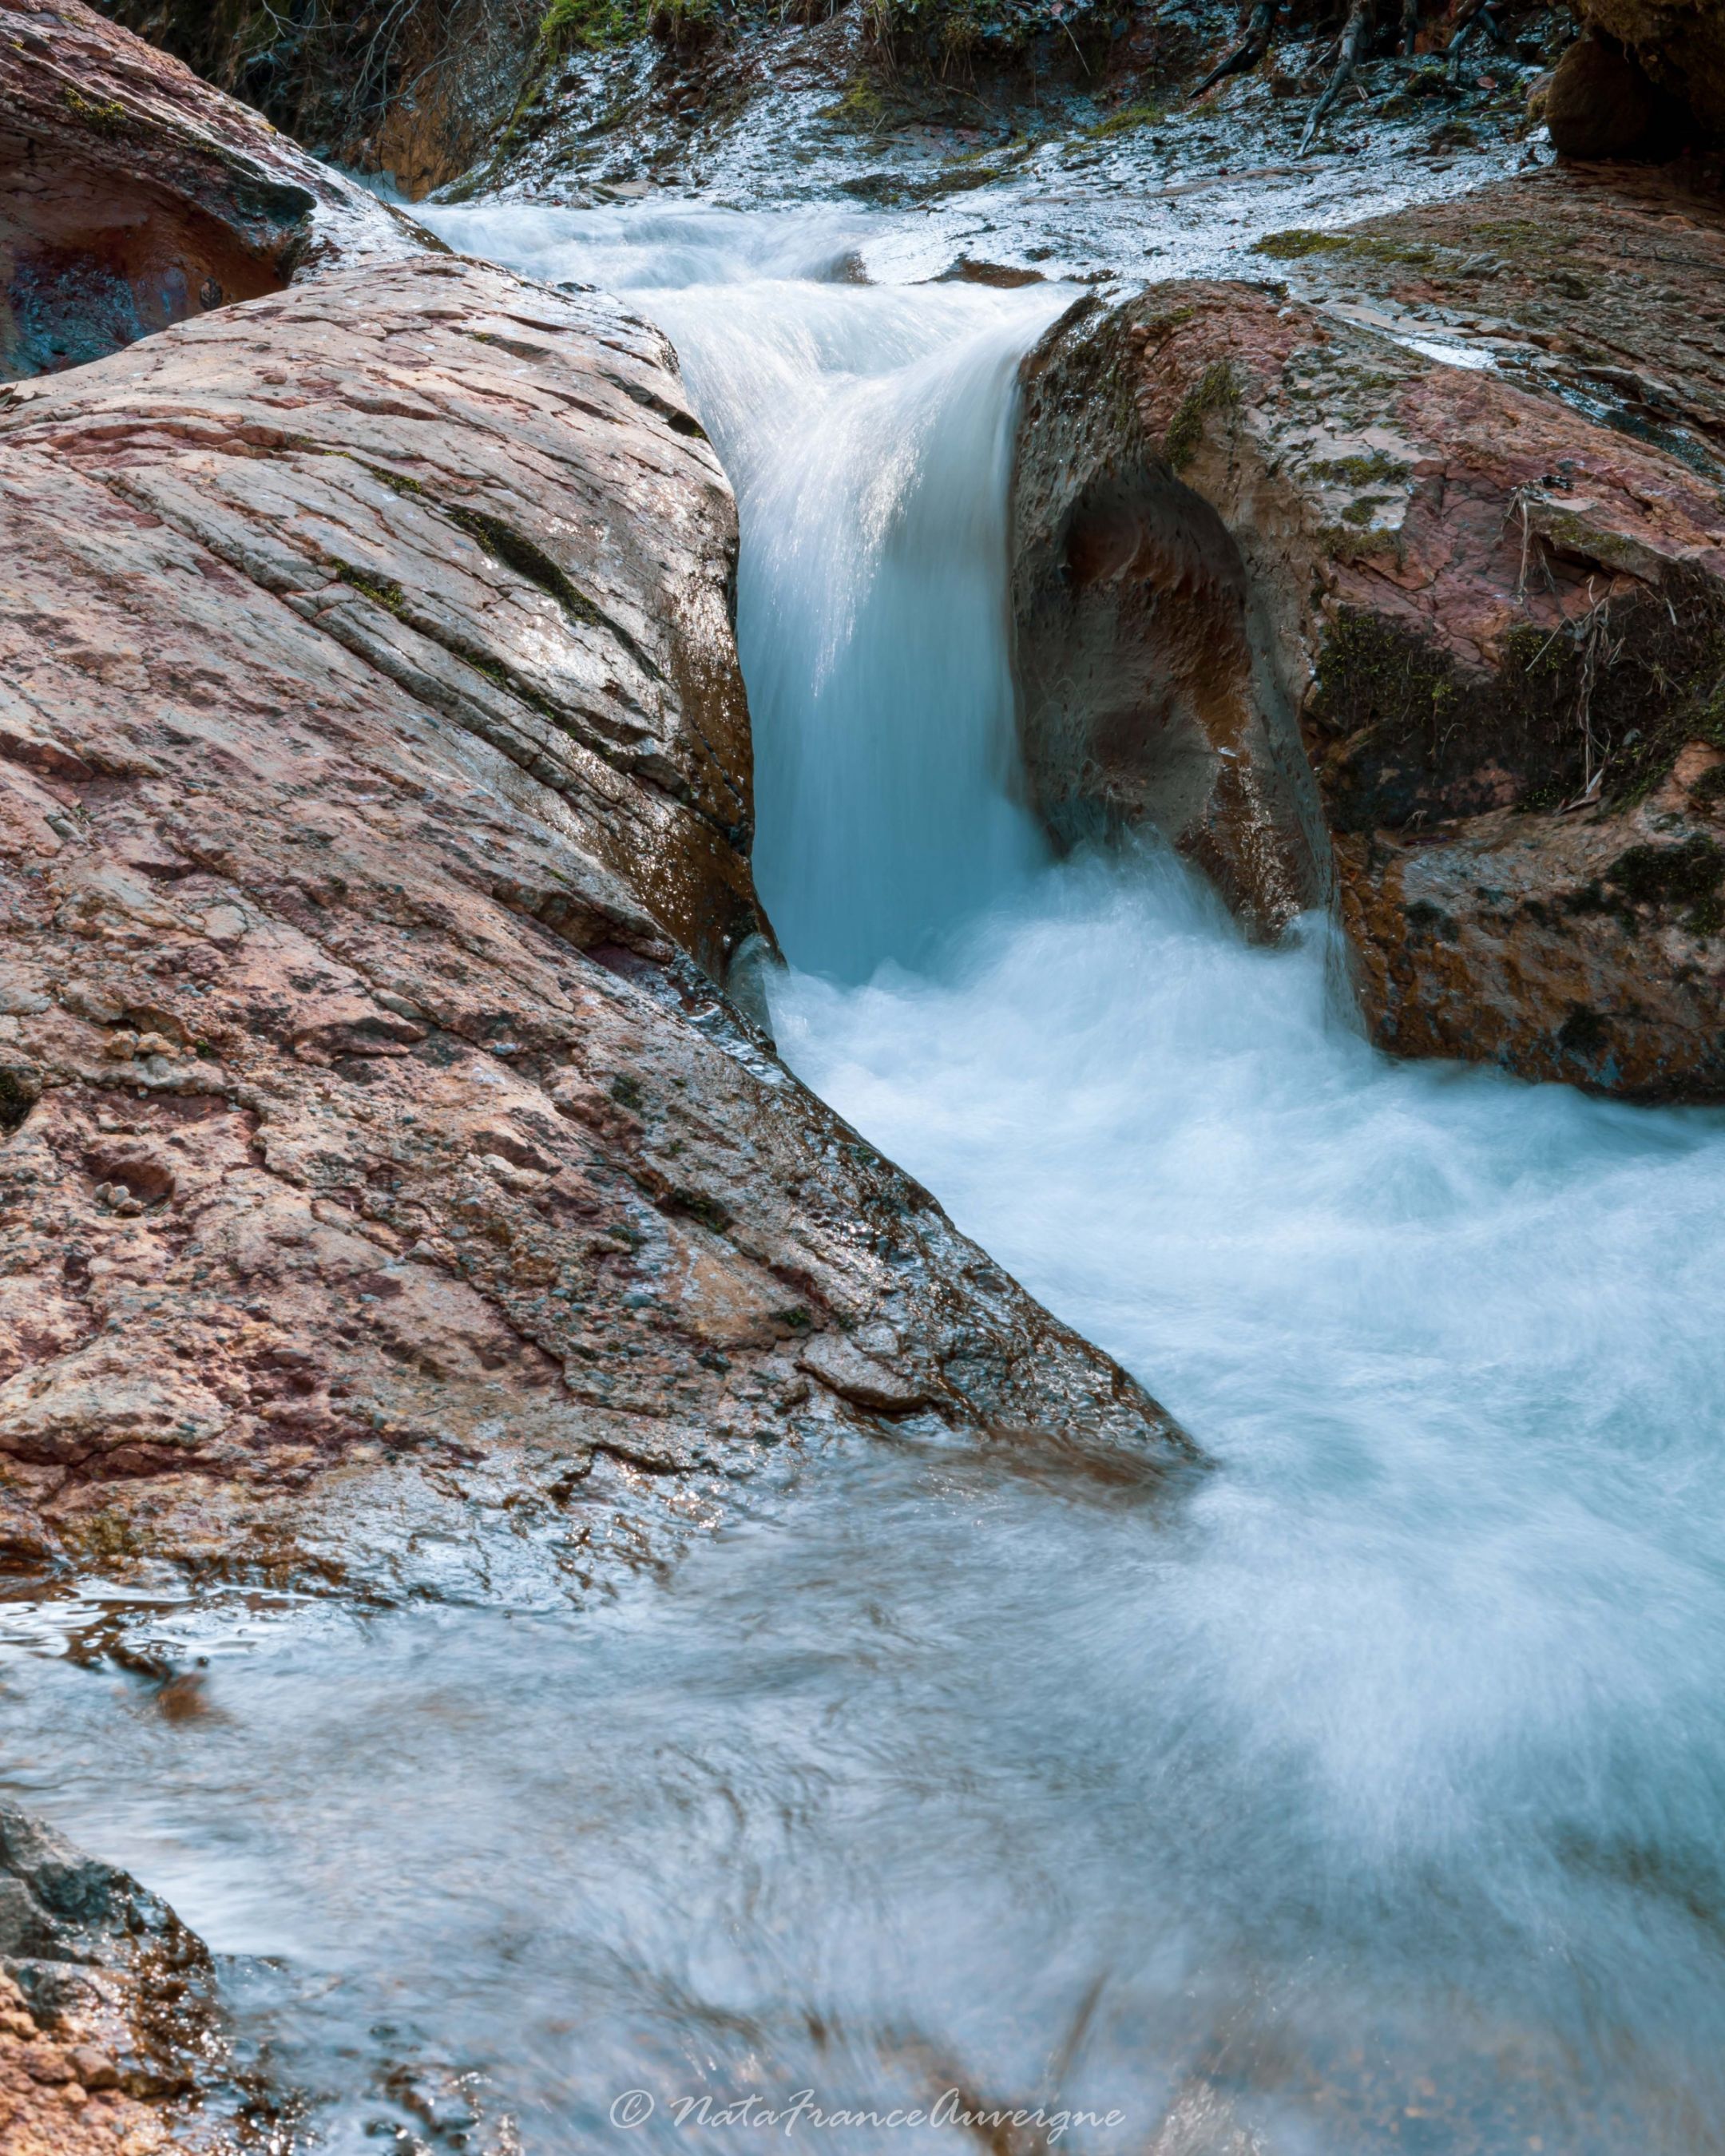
374,809
1679,44
1142,653
135,195
1600,103
1480,605
105,2021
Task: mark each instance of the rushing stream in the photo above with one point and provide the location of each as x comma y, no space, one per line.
1370,1797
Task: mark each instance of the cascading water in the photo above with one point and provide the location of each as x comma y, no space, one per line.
867,431
1370,1798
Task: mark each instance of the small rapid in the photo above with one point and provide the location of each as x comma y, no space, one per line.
1369,1796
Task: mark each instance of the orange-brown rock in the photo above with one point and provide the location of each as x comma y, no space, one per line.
135,195
373,756
107,2028
1599,102
1452,546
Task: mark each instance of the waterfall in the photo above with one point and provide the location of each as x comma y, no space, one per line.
1370,1798
867,431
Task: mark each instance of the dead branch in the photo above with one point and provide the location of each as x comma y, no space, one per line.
1471,16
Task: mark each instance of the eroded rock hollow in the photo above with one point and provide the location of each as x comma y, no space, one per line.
1401,575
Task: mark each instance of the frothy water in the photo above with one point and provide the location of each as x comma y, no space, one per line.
1369,1797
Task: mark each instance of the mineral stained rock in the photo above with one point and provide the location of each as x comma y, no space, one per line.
374,771
135,195
1421,601
107,2026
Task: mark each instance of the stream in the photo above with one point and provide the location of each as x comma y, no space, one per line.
1368,1797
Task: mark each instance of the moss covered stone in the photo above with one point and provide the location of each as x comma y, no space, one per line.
1415,735
1217,390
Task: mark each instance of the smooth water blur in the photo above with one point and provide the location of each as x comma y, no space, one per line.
1367,1796
868,432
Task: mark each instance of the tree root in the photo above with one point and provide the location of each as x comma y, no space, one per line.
1254,42
1471,16
1355,34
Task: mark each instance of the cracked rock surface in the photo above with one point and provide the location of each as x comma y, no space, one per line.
373,771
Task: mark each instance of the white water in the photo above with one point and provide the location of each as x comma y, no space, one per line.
1372,1796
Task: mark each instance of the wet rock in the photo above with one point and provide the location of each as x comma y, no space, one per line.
108,2035
869,1381
1144,694
1478,602
1598,102
133,196
373,825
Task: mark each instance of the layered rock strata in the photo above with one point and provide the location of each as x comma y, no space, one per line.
1427,528
135,195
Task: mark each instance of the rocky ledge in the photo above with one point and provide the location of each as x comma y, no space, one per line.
1398,575
134,197
375,1145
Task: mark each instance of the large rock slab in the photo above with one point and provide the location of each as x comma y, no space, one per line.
132,195
1432,545
1679,45
375,769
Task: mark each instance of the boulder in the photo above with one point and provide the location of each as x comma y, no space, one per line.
380,1169
1599,102
1143,655
108,2029
134,196
1423,606
1678,44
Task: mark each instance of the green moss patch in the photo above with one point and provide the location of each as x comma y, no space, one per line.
1217,390
590,25
1292,246
1129,120
105,116
1414,736
381,590
1361,471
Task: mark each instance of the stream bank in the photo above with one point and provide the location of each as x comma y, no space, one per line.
769,1649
